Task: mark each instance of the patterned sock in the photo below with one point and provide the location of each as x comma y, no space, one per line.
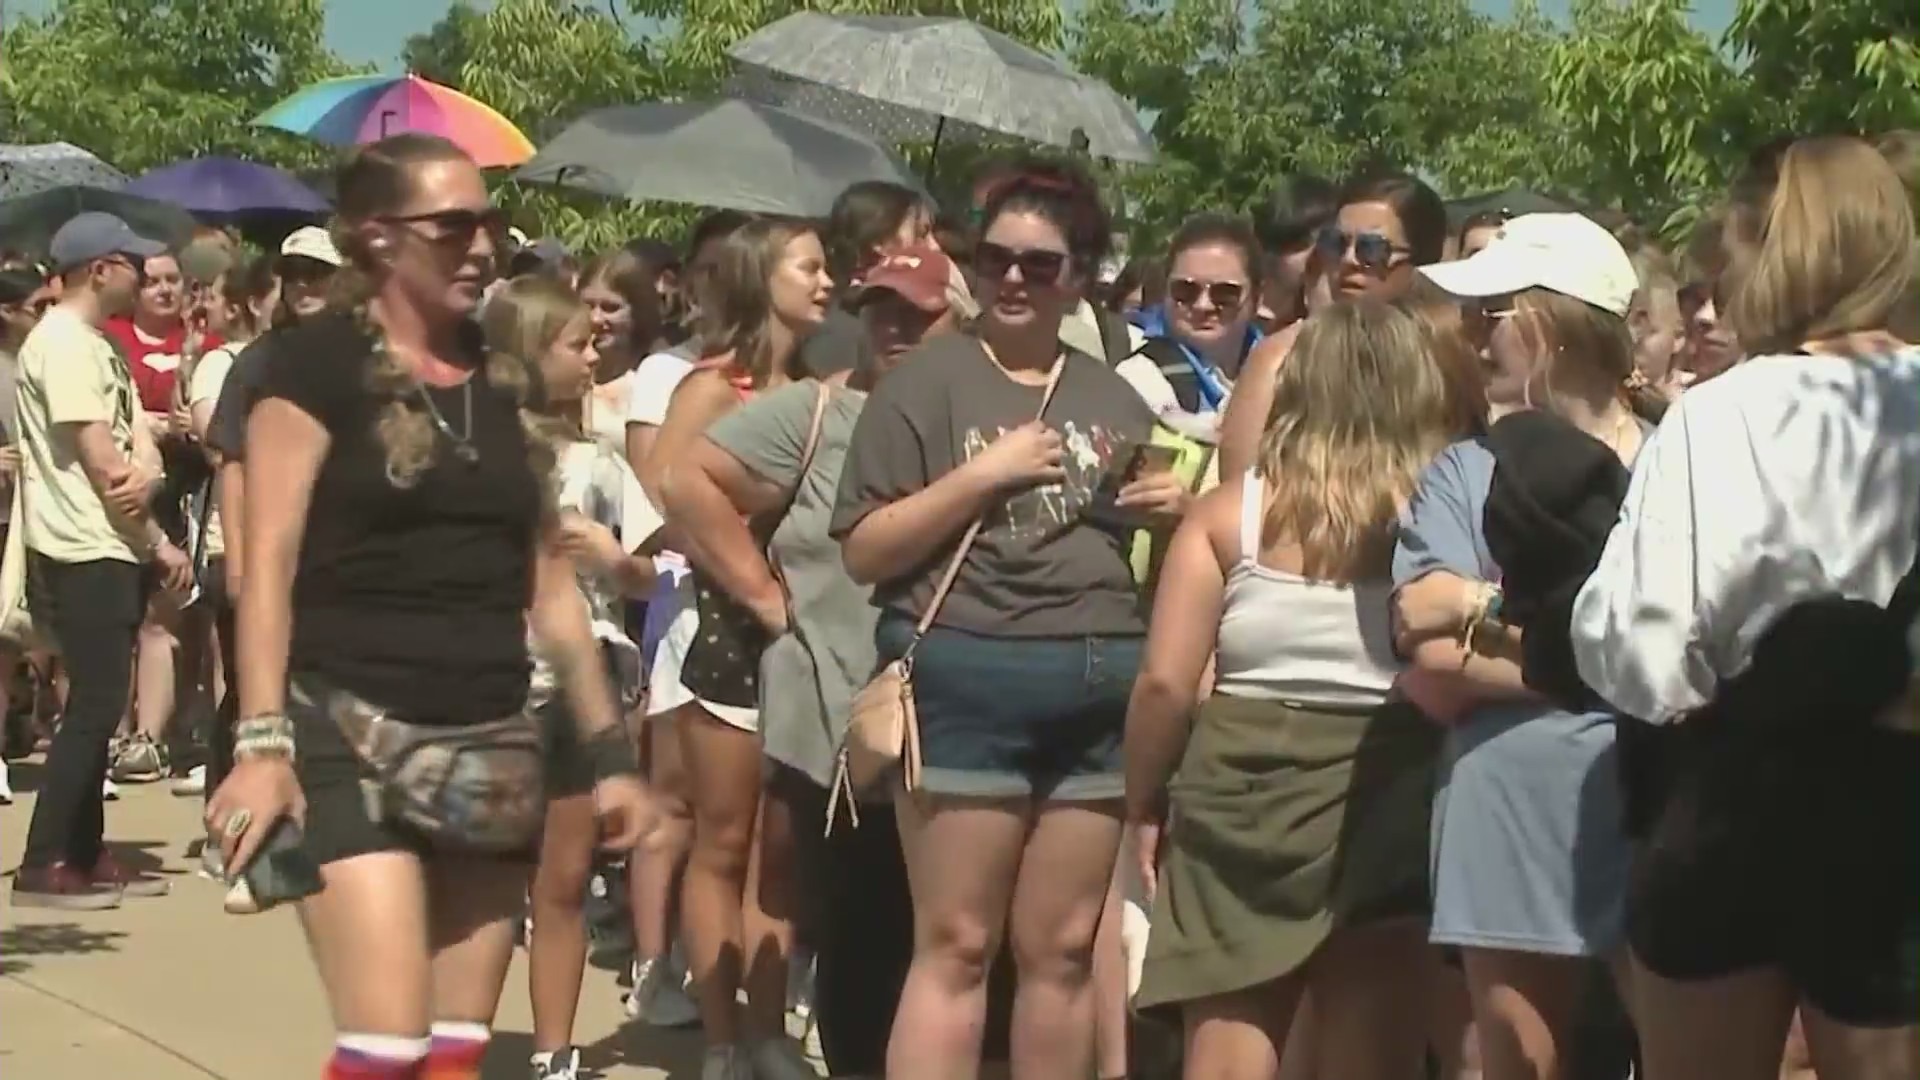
376,1057
457,1051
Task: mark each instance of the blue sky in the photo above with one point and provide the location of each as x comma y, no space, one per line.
373,30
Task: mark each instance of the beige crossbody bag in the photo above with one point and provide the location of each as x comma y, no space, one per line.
883,732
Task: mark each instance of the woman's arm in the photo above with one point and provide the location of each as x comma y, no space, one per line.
232,482
711,498
563,628
641,439
1245,420
1180,644
286,447
699,400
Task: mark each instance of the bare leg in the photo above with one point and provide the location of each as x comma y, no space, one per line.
962,858
723,775
1243,1035
557,952
653,876
1525,1006
1300,1050
1065,875
1450,1033
1110,989
155,669
1369,1018
1730,1028
368,933
767,920
1846,1052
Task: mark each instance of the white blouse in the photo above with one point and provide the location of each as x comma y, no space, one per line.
1785,479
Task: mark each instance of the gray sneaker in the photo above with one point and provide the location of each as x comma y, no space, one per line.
781,1059
725,1063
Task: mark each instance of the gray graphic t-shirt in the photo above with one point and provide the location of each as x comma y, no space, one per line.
1039,568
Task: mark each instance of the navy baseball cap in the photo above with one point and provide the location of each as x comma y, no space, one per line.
96,235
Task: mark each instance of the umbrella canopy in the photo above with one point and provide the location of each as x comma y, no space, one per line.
724,154
26,168
365,108
908,77
222,189
1511,202
28,223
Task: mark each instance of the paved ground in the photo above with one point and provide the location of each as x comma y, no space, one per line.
175,989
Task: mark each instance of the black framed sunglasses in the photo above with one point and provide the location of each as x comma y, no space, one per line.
1038,266
453,228
1225,295
1371,249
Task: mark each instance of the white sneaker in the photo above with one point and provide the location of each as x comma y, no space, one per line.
6,786
213,865
109,790
193,784
559,1065
659,997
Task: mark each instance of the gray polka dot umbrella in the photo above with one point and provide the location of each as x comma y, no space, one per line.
30,168
912,78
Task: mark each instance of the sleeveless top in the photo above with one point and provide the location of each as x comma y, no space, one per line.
1309,643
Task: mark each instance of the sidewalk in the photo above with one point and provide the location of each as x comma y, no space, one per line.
175,989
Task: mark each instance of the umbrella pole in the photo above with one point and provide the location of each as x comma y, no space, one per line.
933,155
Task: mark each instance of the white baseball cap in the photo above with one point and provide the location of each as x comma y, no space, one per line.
1570,254
312,242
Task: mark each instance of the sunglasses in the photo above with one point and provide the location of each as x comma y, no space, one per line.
453,229
1224,295
1371,249
1038,266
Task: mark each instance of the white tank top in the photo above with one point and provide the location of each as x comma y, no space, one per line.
1309,643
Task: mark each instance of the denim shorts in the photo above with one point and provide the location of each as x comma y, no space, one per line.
1038,718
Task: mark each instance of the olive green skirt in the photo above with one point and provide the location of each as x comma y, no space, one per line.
1286,824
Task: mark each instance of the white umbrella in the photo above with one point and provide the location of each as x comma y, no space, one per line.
912,77
30,168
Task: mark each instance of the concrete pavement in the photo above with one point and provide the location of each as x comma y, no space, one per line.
173,988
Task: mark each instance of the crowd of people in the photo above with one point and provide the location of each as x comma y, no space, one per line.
1349,644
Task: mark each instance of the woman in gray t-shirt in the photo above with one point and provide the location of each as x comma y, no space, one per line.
1021,684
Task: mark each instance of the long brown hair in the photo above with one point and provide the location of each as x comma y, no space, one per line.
1360,408
1444,325
377,180
735,295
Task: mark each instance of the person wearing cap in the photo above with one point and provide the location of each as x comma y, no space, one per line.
781,454
88,470
308,262
1530,854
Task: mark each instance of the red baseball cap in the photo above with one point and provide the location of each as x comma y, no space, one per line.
920,274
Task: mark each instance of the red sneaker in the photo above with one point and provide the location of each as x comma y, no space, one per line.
109,873
63,887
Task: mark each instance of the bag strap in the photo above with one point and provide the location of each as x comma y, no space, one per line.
952,572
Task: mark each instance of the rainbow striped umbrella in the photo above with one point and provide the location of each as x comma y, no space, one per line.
363,108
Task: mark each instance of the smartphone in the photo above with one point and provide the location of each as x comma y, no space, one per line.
281,872
1128,464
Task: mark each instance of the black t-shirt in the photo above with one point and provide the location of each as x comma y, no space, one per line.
413,598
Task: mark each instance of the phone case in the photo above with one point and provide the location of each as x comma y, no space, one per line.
281,871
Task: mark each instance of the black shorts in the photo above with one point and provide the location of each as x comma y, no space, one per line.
1802,857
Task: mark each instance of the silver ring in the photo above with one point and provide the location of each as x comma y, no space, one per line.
236,824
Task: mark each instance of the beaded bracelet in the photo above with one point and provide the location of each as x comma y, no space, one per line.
263,746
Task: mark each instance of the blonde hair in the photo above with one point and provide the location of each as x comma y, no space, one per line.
1659,291
1359,409
522,321
1827,249
377,179
735,295
1443,324
1564,330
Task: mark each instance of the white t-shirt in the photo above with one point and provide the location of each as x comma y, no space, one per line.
606,411
209,377
595,481
651,385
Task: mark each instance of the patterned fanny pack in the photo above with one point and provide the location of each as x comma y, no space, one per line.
477,787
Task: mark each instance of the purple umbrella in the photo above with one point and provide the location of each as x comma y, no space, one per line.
219,188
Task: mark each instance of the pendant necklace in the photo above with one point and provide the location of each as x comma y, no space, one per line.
463,447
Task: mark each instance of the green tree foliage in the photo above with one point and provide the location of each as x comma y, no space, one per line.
440,55
147,82
1322,86
1830,65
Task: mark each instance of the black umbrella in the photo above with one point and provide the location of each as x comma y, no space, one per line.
1509,202
27,224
